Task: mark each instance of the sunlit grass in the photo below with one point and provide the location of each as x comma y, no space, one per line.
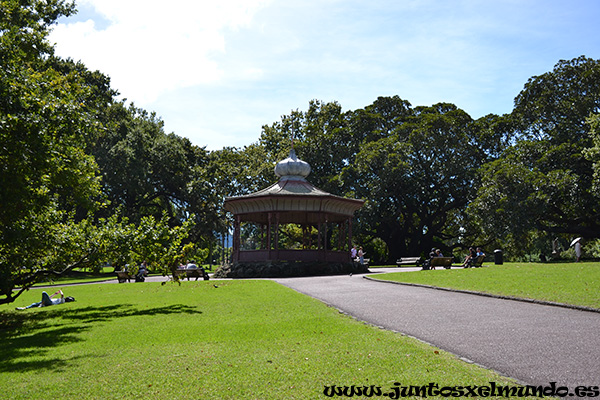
569,283
239,340
84,276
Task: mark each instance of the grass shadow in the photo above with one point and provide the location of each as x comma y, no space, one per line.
25,352
27,337
106,313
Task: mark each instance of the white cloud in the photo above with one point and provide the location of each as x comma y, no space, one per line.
217,70
150,47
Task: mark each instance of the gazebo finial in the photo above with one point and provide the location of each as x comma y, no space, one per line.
292,167
293,129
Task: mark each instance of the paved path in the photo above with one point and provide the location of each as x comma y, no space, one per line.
533,343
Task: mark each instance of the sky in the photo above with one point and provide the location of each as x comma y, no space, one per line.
217,71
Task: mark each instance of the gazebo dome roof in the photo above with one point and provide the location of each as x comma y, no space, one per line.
292,195
292,167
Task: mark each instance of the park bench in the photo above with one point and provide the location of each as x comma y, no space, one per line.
191,273
478,262
409,261
445,262
123,276
475,262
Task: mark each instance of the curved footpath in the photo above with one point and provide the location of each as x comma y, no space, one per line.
533,343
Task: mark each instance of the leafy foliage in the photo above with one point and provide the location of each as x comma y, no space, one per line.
53,114
45,123
544,182
417,168
146,172
593,153
418,178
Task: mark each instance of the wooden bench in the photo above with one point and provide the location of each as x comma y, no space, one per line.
478,262
123,276
191,273
409,261
445,262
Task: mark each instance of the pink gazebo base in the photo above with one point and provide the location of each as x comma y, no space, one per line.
293,255
284,269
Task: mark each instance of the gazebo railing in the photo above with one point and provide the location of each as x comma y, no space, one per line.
293,255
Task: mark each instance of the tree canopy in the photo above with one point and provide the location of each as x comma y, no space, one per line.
543,181
433,176
46,121
58,189
86,178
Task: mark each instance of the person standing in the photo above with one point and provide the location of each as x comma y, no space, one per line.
361,255
577,251
353,253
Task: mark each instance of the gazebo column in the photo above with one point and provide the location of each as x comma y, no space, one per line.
324,251
269,241
277,236
326,230
236,238
349,235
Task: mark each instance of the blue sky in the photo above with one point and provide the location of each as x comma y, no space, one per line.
217,71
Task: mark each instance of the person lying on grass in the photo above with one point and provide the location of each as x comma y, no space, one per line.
49,301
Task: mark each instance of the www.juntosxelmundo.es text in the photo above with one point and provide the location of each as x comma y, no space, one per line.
398,391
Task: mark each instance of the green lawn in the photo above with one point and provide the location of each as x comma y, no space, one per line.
570,283
240,340
77,276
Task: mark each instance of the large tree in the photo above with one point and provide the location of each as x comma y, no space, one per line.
418,176
417,168
46,122
53,113
544,182
147,172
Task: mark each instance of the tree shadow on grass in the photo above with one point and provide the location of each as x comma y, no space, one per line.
107,313
27,337
25,352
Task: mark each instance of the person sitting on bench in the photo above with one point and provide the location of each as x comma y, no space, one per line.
470,258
